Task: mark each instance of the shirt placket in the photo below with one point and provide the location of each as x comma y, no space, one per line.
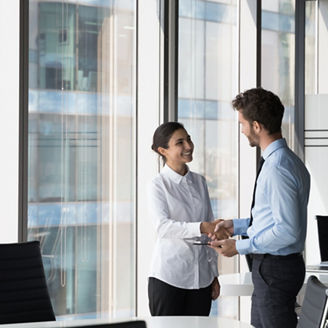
189,187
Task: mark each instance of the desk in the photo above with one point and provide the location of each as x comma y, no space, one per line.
194,322
240,284
317,269
152,322
236,284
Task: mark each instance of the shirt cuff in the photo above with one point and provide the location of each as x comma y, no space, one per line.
240,226
243,246
194,229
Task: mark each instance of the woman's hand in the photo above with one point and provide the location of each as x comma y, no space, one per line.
208,227
212,229
215,289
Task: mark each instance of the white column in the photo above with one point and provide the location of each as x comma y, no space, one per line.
9,128
150,115
247,155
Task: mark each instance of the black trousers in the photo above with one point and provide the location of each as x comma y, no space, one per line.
277,281
165,299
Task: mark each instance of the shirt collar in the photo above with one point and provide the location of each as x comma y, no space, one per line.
174,176
275,145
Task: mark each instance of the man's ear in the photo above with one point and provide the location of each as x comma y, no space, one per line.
257,127
161,150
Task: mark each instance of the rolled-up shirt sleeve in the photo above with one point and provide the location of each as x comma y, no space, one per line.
285,210
279,205
283,199
165,226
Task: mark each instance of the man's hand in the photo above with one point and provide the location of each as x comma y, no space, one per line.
223,230
225,247
215,289
226,224
209,227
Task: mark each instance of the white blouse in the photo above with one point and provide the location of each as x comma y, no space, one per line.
178,205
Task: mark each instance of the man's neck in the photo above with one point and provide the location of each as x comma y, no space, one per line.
267,139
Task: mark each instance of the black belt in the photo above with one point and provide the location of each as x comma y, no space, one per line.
277,257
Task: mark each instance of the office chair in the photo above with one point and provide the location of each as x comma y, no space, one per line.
315,305
23,290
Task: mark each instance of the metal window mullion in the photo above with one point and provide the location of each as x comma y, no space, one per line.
299,77
258,61
171,49
23,121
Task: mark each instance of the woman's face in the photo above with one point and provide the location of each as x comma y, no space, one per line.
180,148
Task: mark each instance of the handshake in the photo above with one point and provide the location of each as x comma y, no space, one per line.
218,229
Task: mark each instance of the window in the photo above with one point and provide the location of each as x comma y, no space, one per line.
278,49
81,152
207,82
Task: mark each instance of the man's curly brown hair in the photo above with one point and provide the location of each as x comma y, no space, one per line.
262,106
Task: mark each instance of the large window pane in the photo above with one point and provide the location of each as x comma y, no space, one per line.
81,152
278,49
310,47
208,61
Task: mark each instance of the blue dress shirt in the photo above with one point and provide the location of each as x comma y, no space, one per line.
280,209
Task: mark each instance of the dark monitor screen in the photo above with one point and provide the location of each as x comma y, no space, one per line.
323,236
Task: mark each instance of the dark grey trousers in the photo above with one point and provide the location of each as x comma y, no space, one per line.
277,281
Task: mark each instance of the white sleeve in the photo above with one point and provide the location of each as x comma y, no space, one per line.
165,226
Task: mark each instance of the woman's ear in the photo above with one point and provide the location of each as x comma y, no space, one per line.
162,151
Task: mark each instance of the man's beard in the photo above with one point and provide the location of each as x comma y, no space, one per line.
253,142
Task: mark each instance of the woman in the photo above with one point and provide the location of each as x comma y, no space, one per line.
183,278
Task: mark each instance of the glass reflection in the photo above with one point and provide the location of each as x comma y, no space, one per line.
278,49
208,63
81,152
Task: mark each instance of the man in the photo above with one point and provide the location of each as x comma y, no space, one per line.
277,226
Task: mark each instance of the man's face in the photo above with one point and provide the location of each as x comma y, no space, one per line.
248,130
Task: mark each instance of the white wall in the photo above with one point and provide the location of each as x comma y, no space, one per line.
9,119
316,160
316,134
247,154
149,117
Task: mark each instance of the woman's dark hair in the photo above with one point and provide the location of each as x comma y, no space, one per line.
163,134
262,106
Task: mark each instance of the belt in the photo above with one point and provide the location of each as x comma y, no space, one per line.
277,257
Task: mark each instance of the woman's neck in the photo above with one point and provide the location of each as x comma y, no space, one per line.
181,169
